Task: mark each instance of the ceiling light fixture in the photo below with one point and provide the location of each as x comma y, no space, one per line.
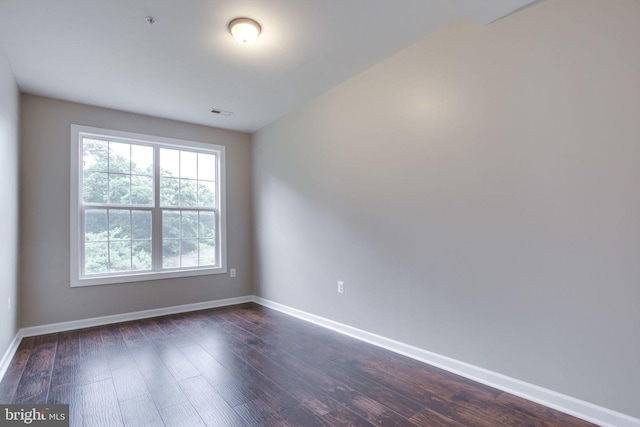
245,30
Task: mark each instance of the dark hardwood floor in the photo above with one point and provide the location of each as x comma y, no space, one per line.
247,365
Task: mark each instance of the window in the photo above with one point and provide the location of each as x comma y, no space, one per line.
144,207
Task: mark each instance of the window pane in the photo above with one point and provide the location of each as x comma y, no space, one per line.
96,225
95,187
141,255
119,189
189,252
206,194
170,253
207,253
141,224
142,160
170,224
119,224
188,192
133,190
189,224
96,257
206,167
119,157
169,191
141,190
169,163
207,225
120,256
95,154
188,165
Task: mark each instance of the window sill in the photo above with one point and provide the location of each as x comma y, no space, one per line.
144,277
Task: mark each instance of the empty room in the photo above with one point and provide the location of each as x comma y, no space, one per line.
320,212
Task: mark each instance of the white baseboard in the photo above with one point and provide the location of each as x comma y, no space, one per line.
567,404
8,355
125,317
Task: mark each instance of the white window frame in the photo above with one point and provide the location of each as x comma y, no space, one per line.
77,278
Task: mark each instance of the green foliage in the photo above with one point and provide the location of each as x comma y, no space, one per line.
119,239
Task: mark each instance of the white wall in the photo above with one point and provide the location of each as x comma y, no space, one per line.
478,194
9,108
46,293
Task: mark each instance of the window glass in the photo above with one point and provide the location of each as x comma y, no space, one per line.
122,231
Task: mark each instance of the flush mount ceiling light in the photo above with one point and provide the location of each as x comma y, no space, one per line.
245,30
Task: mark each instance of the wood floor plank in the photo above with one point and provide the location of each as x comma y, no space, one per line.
214,315
112,340
233,389
283,340
366,407
211,407
303,392
344,417
289,337
453,408
274,395
15,370
176,362
539,412
175,334
391,399
140,412
181,415
68,394
93,365
32,390
162,386
100,404
151,330
257,413
272,325
429,418
133,336
67,358
312,398
35,380
127,379
238,334
201,332
301,416
457,398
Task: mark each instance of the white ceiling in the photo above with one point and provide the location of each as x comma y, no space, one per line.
103,52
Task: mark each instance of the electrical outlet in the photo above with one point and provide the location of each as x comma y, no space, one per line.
232,272
341,287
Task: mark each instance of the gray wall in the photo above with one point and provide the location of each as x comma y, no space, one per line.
479,195
9,108
46,293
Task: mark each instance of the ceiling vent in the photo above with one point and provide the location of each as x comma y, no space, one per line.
221,112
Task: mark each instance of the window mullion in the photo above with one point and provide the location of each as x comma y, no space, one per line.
156,230
81,238
217,240
108,240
